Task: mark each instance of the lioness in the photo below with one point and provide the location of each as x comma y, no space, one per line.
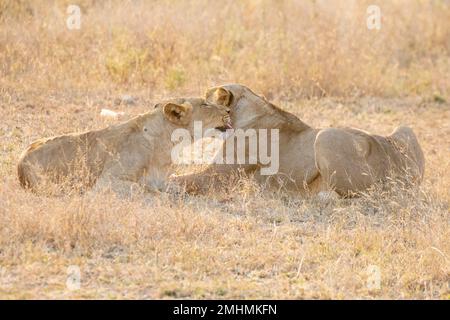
345,160
119,156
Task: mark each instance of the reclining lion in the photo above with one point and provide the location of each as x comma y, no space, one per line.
137,151
345,160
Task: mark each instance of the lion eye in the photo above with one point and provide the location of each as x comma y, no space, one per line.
145,129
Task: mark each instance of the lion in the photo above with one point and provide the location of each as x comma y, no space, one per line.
135,152
311,160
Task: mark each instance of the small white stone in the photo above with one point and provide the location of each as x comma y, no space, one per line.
106,113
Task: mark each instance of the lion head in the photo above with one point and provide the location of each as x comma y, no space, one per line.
245,105
183,112
250,110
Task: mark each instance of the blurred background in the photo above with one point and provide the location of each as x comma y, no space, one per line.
282,48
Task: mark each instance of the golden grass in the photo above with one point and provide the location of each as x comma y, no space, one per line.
288,48
315,59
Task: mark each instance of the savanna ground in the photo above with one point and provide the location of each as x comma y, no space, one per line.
316,59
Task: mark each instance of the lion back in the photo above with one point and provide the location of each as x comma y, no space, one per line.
74,158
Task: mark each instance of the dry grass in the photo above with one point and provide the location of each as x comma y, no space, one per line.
314,58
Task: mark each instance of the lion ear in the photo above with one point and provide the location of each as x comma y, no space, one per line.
220,96
180,114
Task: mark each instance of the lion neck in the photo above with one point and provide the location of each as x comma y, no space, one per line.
274,117
157,144
158,139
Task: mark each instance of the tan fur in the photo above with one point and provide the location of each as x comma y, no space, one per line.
346,160
133,152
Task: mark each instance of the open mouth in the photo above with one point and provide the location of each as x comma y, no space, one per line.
224,127
227,125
